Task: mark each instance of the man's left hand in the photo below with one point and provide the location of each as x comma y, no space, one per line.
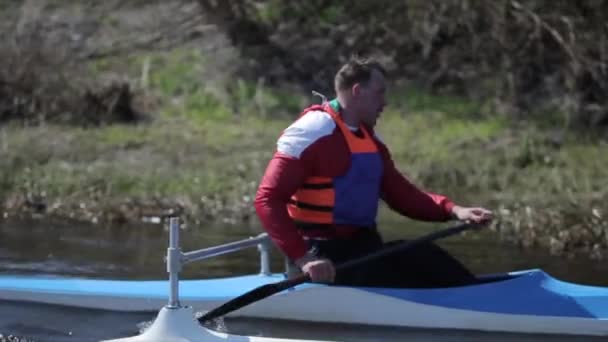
474,215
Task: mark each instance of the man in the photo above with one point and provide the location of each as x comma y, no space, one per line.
318,199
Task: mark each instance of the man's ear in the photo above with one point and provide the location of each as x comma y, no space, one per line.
355,89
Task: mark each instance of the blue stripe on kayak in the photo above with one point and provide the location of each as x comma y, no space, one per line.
530,293
212,289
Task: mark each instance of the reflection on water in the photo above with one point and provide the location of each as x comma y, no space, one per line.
125,252
45,323
137,252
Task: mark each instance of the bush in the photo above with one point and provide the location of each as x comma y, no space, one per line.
542,56
41,80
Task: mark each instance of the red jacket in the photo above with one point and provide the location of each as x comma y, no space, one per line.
315,146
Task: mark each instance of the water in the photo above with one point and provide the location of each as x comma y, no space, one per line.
137,252
44,323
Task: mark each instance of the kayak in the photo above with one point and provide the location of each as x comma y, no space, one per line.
529,301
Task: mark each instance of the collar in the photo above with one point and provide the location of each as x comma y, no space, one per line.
335,105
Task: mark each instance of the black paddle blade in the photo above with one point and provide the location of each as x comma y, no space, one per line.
254,295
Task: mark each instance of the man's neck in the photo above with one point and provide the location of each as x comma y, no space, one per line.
349,117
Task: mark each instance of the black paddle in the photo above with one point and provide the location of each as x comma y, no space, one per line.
268,290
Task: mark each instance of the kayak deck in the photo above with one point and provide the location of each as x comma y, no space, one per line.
211,289
528,293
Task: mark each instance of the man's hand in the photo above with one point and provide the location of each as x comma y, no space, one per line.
474,215
320,270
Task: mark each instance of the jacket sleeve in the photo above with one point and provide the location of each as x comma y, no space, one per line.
407,199
283,176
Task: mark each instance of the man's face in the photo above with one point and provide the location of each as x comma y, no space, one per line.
370,98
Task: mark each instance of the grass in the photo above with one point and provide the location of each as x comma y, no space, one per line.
210,137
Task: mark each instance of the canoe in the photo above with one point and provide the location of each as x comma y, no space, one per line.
529,301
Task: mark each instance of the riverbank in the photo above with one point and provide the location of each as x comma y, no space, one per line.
203,134
205,168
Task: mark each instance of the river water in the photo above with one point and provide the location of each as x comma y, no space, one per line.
137,252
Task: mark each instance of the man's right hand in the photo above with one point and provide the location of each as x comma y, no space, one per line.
320,270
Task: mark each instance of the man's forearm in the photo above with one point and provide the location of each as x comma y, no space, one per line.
280,227
405,198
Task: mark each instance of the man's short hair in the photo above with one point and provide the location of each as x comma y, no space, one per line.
356,70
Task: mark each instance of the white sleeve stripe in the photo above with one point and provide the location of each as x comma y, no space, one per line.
304,132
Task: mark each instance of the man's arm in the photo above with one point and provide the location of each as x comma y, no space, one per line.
407,199
289,168
283,176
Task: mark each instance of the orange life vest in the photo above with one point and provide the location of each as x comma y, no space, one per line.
350,199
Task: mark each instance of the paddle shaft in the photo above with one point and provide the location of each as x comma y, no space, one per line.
267,290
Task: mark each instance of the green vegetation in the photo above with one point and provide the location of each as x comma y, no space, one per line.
183,130
199,153
202,154
535,56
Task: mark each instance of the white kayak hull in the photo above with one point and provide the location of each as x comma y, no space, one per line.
528,302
